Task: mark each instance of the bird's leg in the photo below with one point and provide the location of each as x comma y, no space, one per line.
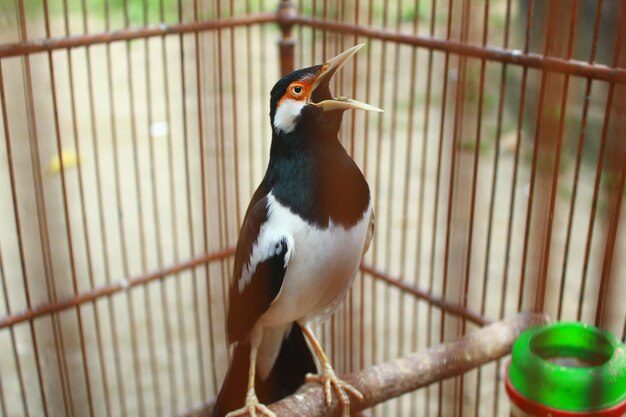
253,406
328,378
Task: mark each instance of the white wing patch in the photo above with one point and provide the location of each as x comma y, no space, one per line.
266,246
287,115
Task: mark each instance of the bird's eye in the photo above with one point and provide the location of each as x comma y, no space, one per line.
297,90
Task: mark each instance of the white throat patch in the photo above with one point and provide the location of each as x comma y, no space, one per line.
287,115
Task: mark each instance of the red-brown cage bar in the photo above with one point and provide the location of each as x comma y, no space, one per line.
134,132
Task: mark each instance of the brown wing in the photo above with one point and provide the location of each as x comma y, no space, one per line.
370,233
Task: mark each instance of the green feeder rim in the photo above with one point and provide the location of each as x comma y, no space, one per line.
596,379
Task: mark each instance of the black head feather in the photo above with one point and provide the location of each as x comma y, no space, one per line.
313,121
280,88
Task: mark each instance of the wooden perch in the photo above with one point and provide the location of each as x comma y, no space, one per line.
383,382
388,380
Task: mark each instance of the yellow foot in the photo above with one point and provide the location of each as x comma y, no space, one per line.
252,407
328,379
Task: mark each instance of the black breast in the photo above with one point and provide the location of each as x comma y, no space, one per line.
319,182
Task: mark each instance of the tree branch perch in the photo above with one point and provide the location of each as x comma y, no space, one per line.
383,382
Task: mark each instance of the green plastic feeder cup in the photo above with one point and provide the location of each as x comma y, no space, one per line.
567,370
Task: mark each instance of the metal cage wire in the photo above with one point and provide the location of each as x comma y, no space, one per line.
134,132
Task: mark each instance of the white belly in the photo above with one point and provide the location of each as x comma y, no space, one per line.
321,269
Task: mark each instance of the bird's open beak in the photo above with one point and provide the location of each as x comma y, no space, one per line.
329,68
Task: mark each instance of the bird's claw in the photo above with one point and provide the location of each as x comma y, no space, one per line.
252,407
329,379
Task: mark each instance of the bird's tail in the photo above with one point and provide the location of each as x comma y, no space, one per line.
293,363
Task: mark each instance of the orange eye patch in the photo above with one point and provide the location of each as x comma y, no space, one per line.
298,90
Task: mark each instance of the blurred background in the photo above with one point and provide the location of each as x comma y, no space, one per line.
134,132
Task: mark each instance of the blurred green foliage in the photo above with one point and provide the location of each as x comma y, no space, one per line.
408,10
136,12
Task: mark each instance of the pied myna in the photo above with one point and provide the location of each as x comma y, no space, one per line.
300,245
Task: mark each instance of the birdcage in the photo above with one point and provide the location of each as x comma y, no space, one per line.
135,131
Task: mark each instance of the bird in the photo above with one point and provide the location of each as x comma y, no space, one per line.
304,233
